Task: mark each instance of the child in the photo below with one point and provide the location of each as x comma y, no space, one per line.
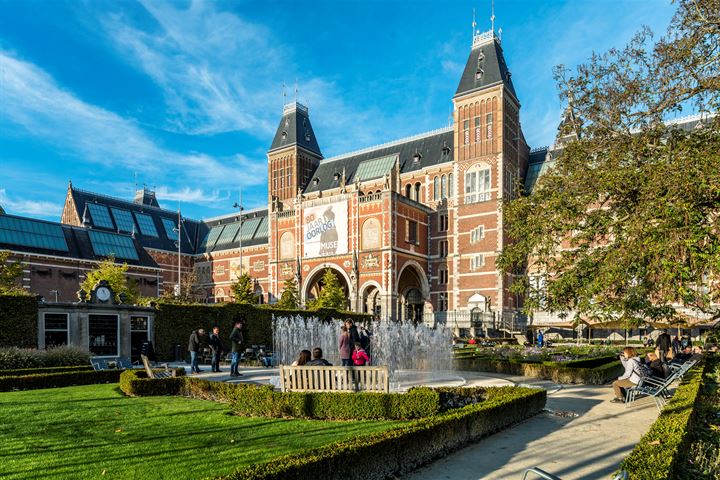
360,358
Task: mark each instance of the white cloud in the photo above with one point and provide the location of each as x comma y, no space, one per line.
28,207
191,195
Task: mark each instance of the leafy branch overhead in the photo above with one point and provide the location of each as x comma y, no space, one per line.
625,223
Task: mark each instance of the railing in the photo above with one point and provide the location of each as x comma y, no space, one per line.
372,197
286,214
511,322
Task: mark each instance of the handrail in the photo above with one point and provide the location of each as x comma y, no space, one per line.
540,473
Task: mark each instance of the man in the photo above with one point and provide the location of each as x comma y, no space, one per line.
216,346
317,359
540,339
236,340
663,345
194,348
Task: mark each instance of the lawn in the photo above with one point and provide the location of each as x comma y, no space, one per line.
95,431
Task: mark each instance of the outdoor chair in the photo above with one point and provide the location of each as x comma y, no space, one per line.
123,363
99,363
167,373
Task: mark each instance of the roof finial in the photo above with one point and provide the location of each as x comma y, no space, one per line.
492,16
296,89
284,95
474,24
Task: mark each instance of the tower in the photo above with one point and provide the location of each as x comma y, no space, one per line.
293,155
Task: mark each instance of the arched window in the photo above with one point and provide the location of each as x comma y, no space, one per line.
451,186
371,234
408,190
417,192
287,246
443,191
436,188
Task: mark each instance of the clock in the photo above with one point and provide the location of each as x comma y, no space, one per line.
102,294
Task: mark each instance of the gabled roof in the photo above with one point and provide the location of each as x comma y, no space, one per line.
295,129
485,66
433,148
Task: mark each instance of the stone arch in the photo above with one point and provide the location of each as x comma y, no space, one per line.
370,296
312,278
413,292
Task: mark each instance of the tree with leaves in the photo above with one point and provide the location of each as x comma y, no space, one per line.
244,290
10,274
116,276
625,225
331,294
289,297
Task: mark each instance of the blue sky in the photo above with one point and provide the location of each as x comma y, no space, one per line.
185,96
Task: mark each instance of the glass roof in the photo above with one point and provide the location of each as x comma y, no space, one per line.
146,224
123,220
170,228
211,237
106,244
248,228
375,168
262,230
32,233
100,215
225,240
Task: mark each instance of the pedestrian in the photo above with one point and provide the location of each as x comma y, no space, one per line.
317,359
353,331
345,347
194,348
236,342
631,376
216,347
663,345
359,356
540,339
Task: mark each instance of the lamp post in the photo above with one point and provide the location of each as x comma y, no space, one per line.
178,287
239,206
56,293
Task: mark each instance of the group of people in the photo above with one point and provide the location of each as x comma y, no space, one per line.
216,348
353,347
656,363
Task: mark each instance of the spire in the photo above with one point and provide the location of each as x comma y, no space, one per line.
295,129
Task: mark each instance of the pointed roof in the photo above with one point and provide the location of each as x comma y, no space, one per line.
295,129
485,66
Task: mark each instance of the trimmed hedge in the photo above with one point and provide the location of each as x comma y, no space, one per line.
174,322
33,371
547,371
55,380
63,356
18,321
657,454
401,450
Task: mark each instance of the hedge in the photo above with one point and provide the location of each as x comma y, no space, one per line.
18,321
547,371
55,380
33,371
401,450
174,322
63,356
657,454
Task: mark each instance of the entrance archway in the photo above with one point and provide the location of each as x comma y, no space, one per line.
314,284
413,290
371,300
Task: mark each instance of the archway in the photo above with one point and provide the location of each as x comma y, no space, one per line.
314,283
371,300
412,293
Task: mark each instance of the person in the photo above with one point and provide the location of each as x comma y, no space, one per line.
685,342
353,331
236,341
663,345
317,359
676,345
472,341
194,348
365,339
302,359
216,347
359,356
265,358
344,347
540,339
630,377
649,342
657,368
684,355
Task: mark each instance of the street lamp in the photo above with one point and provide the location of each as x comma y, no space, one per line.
178,230
56,293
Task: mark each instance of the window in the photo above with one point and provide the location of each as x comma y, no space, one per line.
138,334
417,192
478,130
477,186
100,215
443,248
371,234
103,334
509,183
436,188
146,224
451,187
287,246
56,329
408,190
106,244
442,276
32,233
466,132
489,119
477,262
170,228
123,220
412,232
443,188
477,234
443,304
442,222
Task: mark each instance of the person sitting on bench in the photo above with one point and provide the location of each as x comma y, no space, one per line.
317,360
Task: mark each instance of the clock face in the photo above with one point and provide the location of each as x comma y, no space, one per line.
103,294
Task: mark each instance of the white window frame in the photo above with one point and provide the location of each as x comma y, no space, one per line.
473,179
477,262
477,234
66,330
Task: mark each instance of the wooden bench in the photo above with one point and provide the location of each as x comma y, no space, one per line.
167,373
334,379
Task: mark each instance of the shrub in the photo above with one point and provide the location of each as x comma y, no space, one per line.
137,384
33,371
17,358
557,372
18,321
55,380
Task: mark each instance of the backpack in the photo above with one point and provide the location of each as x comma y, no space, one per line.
642,369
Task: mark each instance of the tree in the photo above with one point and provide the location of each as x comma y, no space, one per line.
116,276
10,274
626,223
289,298
243,290
332,294
190,292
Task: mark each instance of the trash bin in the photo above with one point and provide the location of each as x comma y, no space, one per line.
178,353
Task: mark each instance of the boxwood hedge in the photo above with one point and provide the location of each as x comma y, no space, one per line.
607,369
54,380
33,371
18,321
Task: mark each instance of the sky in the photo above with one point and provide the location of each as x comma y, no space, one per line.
185,97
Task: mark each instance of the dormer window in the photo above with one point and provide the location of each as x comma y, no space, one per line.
287,122
479,74
417,157
284,135
336,176
307,136
316,181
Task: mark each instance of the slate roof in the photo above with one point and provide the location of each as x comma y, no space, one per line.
434,147
192,230
295,129
485,57
76,245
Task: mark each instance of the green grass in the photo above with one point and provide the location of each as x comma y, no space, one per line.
95,431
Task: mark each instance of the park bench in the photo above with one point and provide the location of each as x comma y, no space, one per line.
334,379
167,373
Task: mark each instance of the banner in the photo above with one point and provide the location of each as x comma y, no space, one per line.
325,230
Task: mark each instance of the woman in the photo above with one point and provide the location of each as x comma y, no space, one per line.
345,347
630,378
302,359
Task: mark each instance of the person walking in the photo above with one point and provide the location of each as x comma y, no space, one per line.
663,345
194,348
345,347
216,347
236,342
540,339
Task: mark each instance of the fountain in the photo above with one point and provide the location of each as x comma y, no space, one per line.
414,354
